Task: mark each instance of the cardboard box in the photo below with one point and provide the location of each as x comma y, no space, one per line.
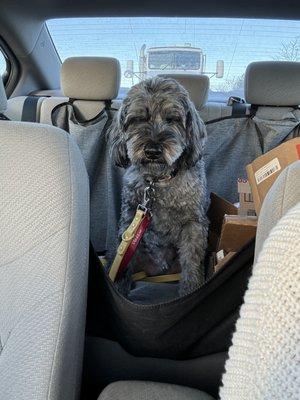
264,170
236,232
218,208
223,261
228,232
246,203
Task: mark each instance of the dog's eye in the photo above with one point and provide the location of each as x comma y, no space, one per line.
173,119
138,120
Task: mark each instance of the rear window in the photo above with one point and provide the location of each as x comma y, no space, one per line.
218,47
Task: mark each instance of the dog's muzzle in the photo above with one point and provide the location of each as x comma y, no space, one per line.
153,151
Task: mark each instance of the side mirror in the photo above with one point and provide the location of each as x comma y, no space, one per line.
129,69
220,69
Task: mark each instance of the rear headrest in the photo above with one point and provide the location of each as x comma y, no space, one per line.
197,87
90,78
273,83
3,98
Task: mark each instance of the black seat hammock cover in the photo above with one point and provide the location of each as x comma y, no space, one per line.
197,324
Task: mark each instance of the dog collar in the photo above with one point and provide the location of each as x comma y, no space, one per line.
164,178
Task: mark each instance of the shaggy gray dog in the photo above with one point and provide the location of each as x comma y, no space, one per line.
159,138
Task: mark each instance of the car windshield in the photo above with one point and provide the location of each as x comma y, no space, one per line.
187,45
174,60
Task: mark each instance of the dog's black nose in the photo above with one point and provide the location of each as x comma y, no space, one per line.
153,151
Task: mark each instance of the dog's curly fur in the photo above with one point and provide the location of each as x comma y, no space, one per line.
159,111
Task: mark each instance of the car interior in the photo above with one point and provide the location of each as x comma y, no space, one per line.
65,331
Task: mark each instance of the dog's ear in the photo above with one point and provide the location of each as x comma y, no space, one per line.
116,134
195,135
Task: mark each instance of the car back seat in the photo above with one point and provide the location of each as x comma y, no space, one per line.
90,84
234,141
24,108
214,111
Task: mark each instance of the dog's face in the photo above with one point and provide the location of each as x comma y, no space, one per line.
158,128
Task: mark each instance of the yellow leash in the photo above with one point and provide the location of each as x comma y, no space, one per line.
130,240
142,276
127,238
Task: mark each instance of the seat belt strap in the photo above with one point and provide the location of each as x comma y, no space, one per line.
29,112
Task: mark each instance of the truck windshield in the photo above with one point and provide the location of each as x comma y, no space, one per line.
175,60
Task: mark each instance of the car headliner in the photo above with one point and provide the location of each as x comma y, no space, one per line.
45,9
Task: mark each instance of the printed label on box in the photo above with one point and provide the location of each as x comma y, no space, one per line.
267,170
220,255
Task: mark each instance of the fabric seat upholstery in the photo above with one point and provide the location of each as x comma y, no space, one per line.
15,108
263,360
44,230
235,142
139,390
269,83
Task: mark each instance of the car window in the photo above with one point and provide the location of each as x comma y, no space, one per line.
218,47
3,65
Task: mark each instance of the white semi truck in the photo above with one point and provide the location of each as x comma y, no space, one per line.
171,60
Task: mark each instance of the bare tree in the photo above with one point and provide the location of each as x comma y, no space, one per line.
289,51
233,83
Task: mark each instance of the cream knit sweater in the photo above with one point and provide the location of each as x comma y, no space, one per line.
264,361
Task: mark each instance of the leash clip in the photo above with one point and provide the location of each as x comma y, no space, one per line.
149,192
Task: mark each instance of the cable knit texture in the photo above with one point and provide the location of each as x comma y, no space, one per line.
264,360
